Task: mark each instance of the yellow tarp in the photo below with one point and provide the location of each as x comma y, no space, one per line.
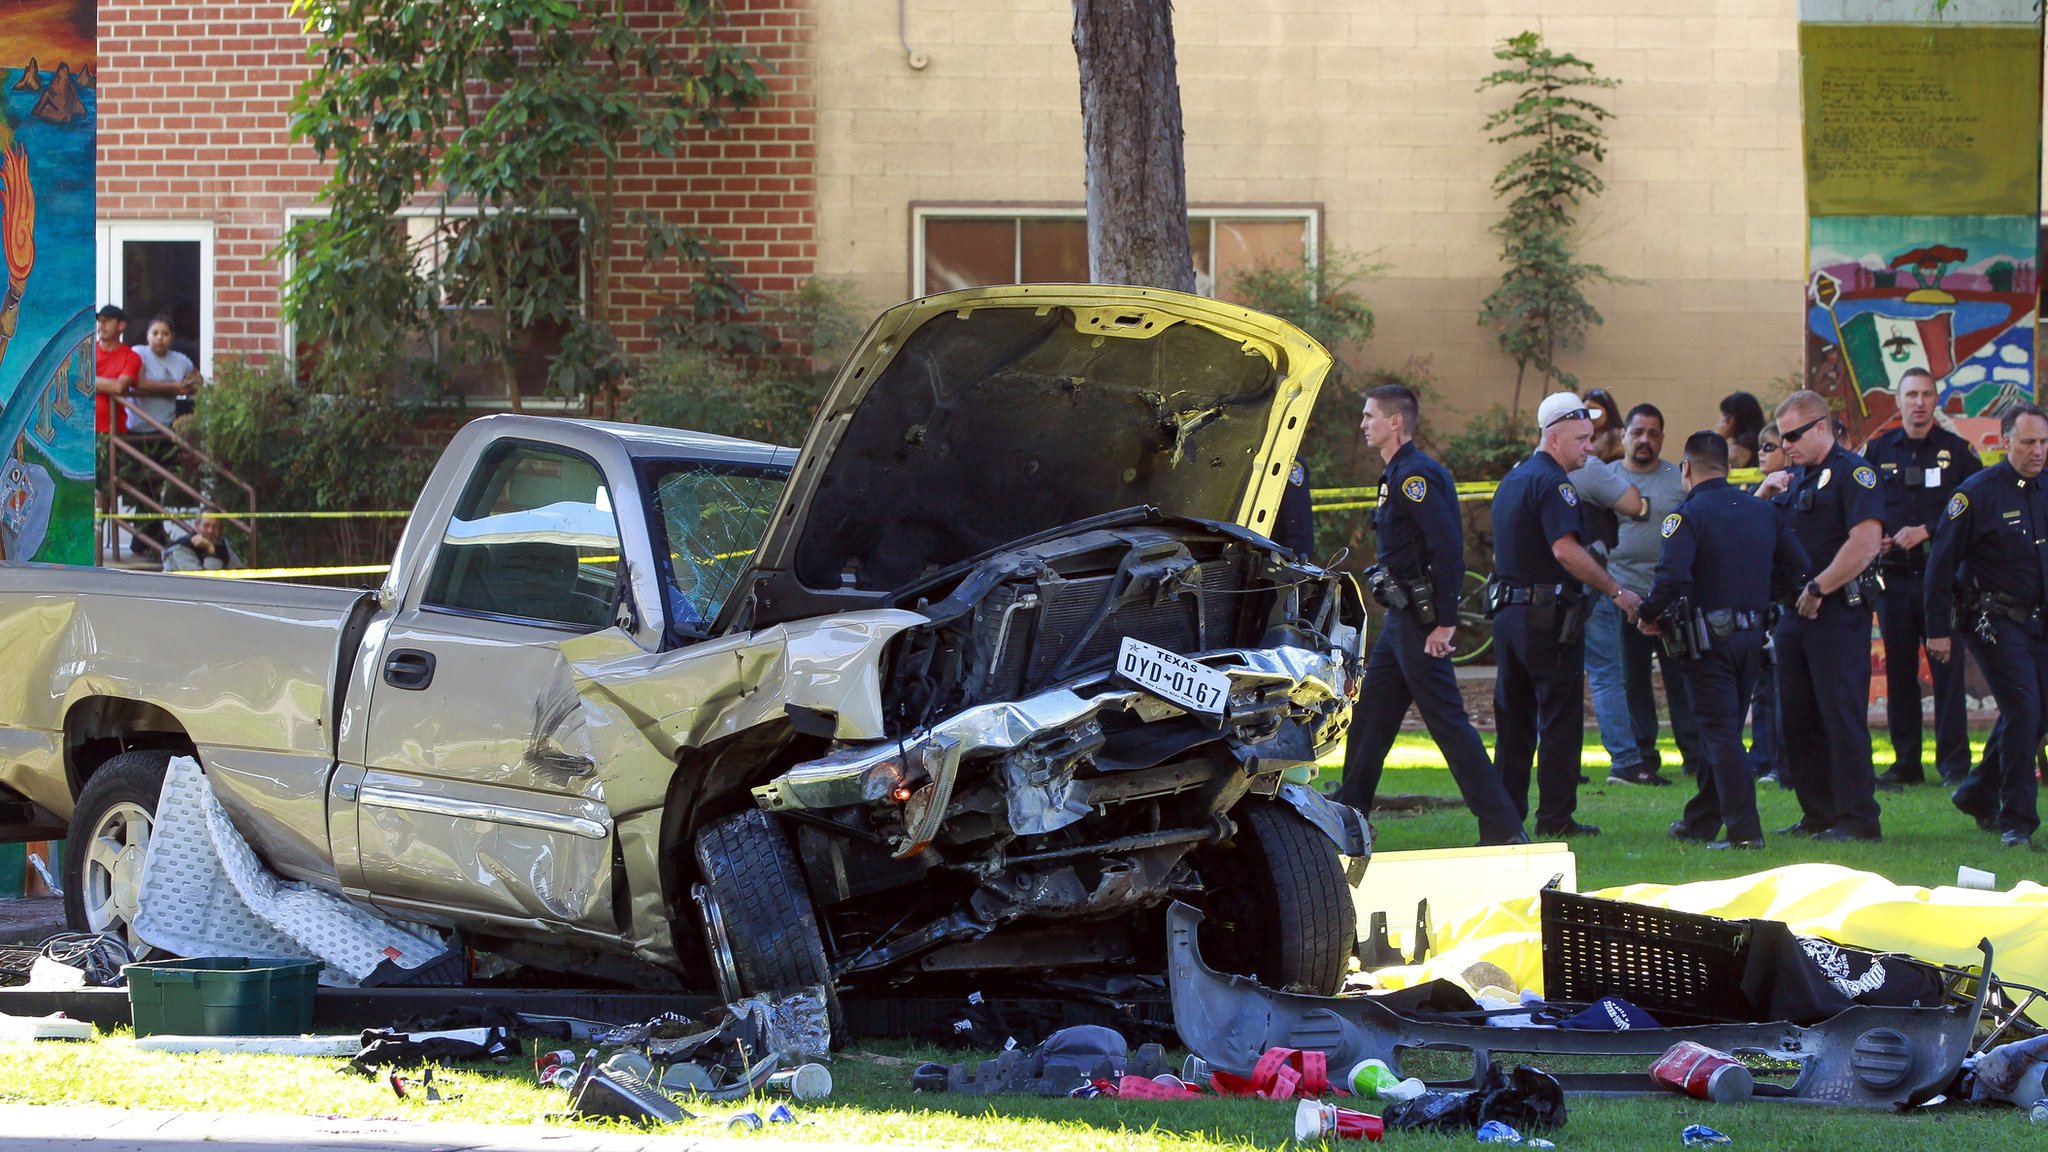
1862,909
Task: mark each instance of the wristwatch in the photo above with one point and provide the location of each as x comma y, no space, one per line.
1813,589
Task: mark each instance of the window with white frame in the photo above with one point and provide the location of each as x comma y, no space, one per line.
969,246
440,241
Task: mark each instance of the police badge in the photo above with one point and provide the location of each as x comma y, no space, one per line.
1865,476
1956,504
1415,488
1671,524
1570,494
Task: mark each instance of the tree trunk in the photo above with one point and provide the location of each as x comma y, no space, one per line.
1131,132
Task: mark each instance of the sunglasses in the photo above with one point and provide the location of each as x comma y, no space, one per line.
1574,414
1768,446
1792,435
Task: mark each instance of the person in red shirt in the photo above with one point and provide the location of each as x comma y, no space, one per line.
116,368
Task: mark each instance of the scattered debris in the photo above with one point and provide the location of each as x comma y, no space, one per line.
1700,1136
1495,1132
1317,1121
52,1027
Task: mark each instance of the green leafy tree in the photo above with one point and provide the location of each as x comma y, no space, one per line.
509,119
1540,307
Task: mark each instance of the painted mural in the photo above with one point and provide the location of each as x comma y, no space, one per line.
48,80
1957,296
1923,189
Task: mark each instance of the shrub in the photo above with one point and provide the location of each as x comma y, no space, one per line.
311,451
745,364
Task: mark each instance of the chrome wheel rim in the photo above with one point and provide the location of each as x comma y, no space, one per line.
112,877
723,964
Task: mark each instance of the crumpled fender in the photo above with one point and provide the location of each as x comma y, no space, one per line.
1343,824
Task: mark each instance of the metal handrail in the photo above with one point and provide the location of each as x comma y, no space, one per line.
121,444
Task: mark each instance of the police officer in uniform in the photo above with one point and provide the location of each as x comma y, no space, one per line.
1988,576
1726,556
1421,566
1823,647
1918,465
1540,603
1294,525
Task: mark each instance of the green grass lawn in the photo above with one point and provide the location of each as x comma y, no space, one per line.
872,1104
1925,839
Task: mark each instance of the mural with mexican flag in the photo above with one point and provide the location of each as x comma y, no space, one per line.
1956,296
1923,183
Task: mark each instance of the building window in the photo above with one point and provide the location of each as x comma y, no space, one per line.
446,249
967,247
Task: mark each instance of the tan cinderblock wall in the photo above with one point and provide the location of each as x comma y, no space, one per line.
1370,108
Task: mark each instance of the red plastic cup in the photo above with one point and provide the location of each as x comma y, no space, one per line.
1698,1070
1314,1120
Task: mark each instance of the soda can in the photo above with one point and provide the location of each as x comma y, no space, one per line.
804,1082
744,1122
1700,1071
562,1076
780,1114
1314,1120
1701,1136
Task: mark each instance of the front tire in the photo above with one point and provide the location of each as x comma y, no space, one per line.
108,841
1276,907
761,926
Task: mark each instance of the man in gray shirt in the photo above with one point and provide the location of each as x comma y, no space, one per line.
1634,564
1604,495
167,374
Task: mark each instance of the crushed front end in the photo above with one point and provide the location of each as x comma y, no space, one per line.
1034,804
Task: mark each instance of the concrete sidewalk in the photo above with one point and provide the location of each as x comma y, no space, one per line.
92,1129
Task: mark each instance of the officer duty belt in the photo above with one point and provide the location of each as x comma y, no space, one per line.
2009,607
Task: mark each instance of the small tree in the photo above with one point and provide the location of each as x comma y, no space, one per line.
1540,307
516,115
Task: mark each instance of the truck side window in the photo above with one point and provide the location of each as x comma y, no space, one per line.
534,537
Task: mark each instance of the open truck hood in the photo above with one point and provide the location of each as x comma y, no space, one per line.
973,419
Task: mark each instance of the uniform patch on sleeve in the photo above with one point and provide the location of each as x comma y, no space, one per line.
1865,476
1956,504
1671,524
1570,494
1415,488
1297,474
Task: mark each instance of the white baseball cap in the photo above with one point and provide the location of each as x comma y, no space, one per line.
1561,406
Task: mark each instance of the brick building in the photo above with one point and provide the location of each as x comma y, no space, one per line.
945,148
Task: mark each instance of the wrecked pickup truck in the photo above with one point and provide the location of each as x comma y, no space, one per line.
993,669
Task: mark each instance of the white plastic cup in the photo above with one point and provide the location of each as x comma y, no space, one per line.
803,1082
1968,877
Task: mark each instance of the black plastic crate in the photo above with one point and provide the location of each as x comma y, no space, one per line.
1680,967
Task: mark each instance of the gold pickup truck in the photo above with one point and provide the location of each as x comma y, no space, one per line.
996,665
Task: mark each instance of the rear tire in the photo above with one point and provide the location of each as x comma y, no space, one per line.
108,841
766,921
1276,907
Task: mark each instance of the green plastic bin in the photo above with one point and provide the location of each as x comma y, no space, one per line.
222,996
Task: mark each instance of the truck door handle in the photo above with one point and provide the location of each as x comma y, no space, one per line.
409,668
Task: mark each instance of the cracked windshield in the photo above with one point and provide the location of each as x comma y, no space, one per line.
711,518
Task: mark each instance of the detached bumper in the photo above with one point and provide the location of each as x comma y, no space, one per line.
1864,1056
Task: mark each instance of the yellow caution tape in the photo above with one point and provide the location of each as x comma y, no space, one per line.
174,515
1347,499
288,573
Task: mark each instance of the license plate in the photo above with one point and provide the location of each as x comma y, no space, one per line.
1173,678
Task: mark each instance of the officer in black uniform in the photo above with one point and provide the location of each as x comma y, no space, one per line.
1540,604
1421,567
1823,647
1726,556
1988,577
1918,465
1294,526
